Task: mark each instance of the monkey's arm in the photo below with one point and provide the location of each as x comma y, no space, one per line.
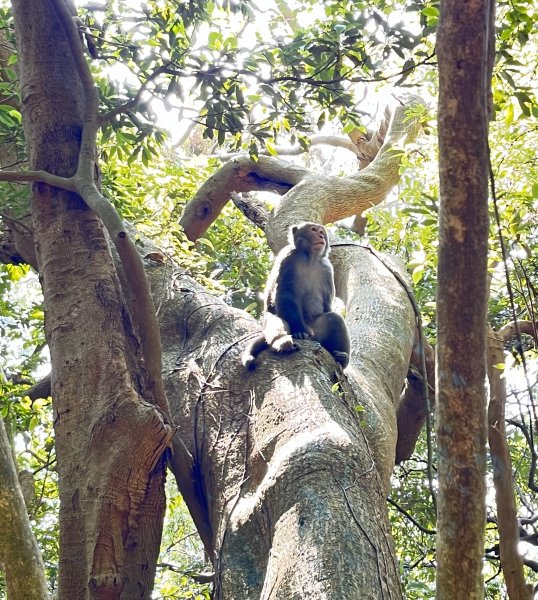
290,311
288,301
328,290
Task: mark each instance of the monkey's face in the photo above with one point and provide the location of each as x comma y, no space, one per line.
311,238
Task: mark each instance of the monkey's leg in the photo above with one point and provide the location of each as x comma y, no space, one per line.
330,331
277,334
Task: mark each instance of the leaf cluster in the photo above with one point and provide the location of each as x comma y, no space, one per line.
213,62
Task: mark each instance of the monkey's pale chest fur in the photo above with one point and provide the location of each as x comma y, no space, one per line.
316,287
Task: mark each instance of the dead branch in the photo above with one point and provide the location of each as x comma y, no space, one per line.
511,562
368,145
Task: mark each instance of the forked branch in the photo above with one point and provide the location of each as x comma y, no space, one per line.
306,195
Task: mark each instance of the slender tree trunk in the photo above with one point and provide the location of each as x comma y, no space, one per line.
511,560
19,554
463,49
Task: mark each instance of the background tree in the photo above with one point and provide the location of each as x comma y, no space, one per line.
465,47
242,474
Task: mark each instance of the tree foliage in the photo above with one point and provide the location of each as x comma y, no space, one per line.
184,82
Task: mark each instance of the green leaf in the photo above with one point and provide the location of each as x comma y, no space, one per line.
430,11
206,242
215,39
270,147
417,274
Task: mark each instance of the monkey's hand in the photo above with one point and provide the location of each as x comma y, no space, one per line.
303,335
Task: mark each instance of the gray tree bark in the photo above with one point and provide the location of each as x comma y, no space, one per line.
290,478
282,453
285,470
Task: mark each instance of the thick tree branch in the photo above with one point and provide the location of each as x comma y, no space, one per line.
238,175
88,144
324,199
65,183
307,196
513,329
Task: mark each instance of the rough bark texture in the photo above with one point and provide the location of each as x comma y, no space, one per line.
109,439
290,444
289,477
19,555
380,319
462,48
238,175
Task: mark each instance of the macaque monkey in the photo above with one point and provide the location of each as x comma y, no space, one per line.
299,299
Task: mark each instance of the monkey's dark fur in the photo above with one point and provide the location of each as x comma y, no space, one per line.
298,299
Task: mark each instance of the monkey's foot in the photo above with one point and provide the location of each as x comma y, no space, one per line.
302,335
249,361
341,357
285,344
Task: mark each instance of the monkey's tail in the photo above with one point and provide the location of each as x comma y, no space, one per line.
252,350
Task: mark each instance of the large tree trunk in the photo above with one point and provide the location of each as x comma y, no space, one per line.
289,477
109,442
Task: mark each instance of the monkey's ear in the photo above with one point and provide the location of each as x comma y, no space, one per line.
292,236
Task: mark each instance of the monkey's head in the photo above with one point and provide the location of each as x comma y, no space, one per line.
310,238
